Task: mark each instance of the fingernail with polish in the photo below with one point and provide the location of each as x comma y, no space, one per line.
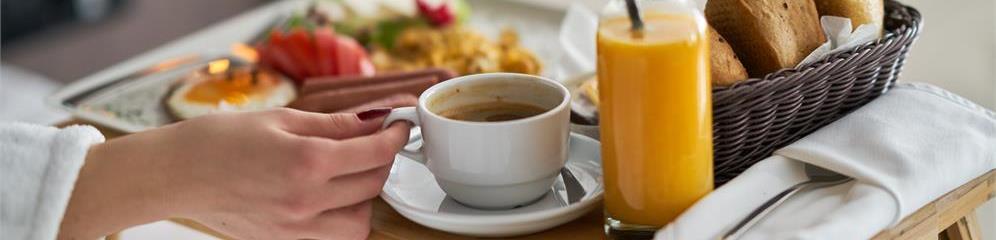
373,113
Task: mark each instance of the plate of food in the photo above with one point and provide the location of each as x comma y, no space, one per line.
320,51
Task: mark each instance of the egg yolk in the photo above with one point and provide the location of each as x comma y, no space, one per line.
235,87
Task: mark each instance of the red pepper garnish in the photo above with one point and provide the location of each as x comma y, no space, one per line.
440,16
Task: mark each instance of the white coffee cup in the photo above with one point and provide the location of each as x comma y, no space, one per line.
492,164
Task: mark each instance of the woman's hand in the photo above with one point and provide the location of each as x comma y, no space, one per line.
267,175
284,173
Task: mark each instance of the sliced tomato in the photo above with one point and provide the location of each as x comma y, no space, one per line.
267,61
264,58
302,50
366,66
301,54
363,64
348,56
279,57
283,62
325,45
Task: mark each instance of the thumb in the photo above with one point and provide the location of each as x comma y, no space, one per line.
337,125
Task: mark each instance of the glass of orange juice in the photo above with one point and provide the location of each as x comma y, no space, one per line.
656,113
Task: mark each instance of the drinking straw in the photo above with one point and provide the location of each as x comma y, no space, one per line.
634,15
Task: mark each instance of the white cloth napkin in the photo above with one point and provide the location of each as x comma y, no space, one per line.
840,37
905,149
577,40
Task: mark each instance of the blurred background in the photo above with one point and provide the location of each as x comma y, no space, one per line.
55,42
49,43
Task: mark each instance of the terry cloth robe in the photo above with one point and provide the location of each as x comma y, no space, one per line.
38,169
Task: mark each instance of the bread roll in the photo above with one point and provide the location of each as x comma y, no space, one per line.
589,89
726,67
767,35
859,11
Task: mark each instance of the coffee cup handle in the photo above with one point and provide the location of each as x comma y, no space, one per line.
411,115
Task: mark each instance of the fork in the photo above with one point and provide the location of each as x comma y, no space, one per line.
818,178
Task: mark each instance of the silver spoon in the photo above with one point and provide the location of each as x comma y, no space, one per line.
818,178
574,189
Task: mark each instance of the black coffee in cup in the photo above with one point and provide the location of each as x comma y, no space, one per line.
495,111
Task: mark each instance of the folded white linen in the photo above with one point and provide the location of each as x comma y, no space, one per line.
905,149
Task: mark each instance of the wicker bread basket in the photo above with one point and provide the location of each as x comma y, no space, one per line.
753,118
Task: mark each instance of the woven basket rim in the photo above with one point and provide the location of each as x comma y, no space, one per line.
889,36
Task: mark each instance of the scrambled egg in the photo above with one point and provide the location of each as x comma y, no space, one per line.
459,49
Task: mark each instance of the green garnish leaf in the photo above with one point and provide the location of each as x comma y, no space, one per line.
387,31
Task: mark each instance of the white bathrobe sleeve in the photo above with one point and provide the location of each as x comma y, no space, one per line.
38,169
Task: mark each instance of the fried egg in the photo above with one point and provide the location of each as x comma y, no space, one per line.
222,89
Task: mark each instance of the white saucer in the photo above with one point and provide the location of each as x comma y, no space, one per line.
412,191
